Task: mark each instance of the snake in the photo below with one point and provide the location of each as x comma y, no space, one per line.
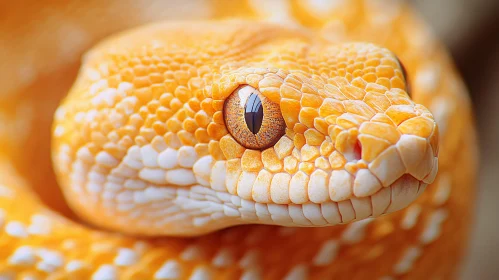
262,140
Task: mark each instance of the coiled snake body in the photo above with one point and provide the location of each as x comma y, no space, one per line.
246,149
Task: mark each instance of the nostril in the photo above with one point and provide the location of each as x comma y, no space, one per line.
357,150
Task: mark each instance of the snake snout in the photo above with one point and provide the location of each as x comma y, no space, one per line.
398,159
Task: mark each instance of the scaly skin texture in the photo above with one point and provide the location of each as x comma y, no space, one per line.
160,90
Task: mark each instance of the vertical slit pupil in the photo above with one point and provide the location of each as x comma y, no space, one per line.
253,113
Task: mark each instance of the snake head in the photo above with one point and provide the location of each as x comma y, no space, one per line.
182,129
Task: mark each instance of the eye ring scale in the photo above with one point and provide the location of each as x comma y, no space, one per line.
253,120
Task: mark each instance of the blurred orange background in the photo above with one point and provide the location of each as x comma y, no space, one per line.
470,29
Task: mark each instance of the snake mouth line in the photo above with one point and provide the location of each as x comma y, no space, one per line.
387,200
221,210
210,210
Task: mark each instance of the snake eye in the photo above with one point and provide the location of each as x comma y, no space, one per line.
252,119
